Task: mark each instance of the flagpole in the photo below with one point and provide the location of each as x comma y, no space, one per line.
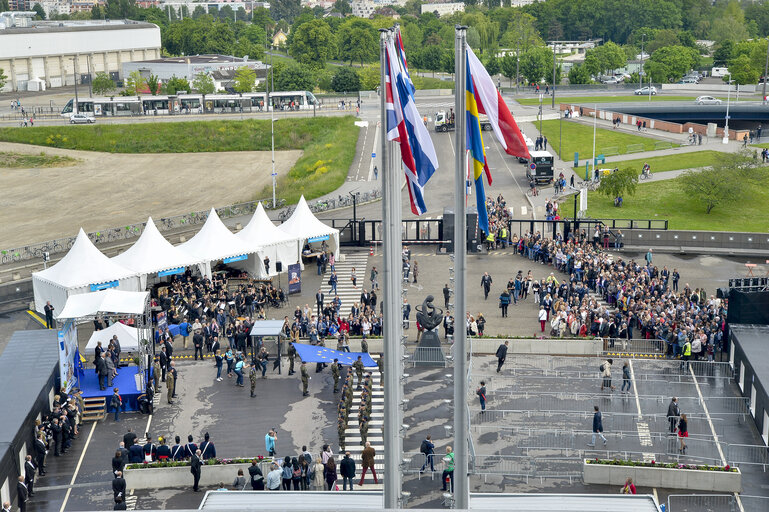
461,482
391,221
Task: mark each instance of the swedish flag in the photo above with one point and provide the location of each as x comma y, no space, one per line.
477,152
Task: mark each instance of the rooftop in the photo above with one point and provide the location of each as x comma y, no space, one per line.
77,26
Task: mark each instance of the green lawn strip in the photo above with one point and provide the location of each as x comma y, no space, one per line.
579,138
666,200
183,137
323,166
587,100
763,145
26,161
667,162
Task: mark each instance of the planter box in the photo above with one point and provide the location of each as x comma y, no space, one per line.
689,479
180,476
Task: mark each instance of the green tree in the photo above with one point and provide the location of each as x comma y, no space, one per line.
507,66
134,83
724,53
226,13
102,84
346,80
294,77
342,7
605,58
313,44
493,66
578,74
727,182
199,12
742,72
241,14
4,6
153,83
261,18
39,10
285,10
369,78
670,63
3,79
620,183
245,79
536,64
203,83
430,58
176,84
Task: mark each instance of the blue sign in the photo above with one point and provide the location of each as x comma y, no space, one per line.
373,155
236,258
171,271
533,166
317,239
294,279
104,286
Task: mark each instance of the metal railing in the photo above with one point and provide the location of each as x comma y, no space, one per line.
745,454
428,356
701,502
754,503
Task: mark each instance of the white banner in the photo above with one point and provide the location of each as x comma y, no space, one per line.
67,349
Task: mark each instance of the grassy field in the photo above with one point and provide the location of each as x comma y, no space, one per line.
666,200
328,144
26,161
669,162
579,138
587,100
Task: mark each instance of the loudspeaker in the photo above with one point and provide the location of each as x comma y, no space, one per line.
279,266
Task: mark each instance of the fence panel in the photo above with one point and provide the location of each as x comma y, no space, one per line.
754,503
701,503
740,454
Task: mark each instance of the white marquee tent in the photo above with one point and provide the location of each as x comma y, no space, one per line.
216,242
272,242
307,228
127,336
152,254
104,301
83,269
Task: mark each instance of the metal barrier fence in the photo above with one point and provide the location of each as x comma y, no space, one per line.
702,502
744,454
754,503
424,356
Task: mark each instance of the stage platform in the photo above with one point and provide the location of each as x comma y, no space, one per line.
125,381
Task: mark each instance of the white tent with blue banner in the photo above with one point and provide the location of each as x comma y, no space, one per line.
215,242
83,269
273,243
308,229
153,254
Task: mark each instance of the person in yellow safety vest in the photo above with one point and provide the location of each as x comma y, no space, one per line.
687,354
503,237
551,279
490,241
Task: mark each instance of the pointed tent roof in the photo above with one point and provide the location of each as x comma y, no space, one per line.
261,231
215,241
152,253
303,224
84,264
127,336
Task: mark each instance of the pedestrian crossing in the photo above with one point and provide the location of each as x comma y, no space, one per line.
348,293
375,436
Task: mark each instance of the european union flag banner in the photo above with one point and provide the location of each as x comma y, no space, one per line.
317,354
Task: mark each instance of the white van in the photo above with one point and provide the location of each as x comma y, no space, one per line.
719,72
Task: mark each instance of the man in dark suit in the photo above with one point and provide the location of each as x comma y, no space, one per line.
502,354
163,360
118,485
40,453
173,371
29,474
57,436
135,454
150,449
486,284
101,369
195,469
365,298
129,438
319,297
446,296
197,342
22,494
169,349
49,315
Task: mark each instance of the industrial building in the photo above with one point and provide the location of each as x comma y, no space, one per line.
57,53
221,67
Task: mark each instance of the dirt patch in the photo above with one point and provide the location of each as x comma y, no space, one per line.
106,190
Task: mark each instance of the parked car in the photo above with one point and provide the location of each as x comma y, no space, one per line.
688,80
609,80
645,91
82,118
707,100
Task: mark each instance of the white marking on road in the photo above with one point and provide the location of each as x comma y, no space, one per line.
376,145
635,390
707,415
77,468
511,173
644,433
739,502
360,160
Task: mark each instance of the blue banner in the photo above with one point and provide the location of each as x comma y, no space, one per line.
236,258
317,354
294,279
317,239
171,272
103,286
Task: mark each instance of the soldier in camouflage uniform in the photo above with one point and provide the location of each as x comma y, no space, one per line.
335,374
358,365
305,379
291,356
364,344
341,426
252,378
380,364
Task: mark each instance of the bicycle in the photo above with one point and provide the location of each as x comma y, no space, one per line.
532,192
645,176
285,214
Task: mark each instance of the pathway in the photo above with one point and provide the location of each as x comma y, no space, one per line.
375,434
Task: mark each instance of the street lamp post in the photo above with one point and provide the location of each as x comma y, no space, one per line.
554,52
725,140
541,97
517,61
74,74
641,69
766,71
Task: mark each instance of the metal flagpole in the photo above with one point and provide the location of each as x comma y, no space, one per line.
272,130
393,329
461,482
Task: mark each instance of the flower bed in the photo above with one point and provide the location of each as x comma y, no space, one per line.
156,475
666,475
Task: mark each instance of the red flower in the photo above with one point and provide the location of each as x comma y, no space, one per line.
653,462
727,467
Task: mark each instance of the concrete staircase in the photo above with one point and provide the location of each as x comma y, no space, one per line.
375,435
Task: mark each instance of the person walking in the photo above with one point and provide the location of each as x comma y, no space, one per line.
318,475
415,271
481,392
606,374
367,462
195,468
486,284
542,316
625,377
673,413
49,324
446,296
170,384
597,427
116,403
428,448
683,433
306,378
628,488
448,473
347,470
502,354
504,302
329,473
